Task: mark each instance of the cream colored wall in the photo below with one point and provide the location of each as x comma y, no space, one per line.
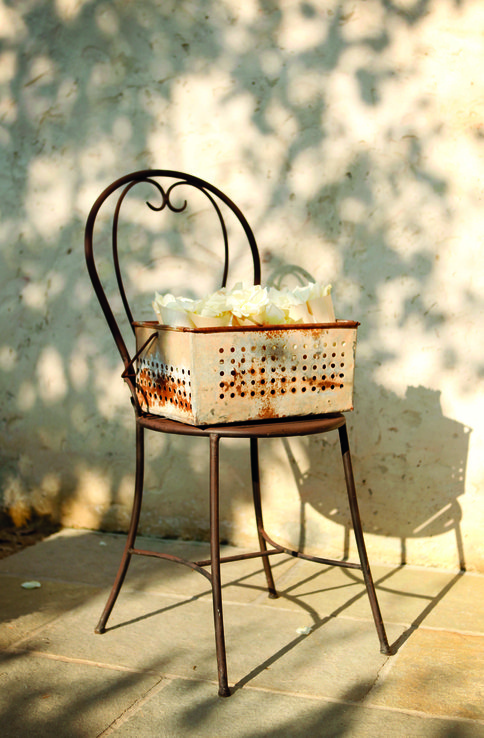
351,134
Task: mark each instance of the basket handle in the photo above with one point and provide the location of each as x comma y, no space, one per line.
126,374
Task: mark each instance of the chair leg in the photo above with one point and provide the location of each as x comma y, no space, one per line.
254,465
224,690
360,541
133,529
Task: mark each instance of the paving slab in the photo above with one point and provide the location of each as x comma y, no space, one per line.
462,608
153,632
175,637
435,672
305,664
43,698
405,595
93,558
191,708
336,656
24,610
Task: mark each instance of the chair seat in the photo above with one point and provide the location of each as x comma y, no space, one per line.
280,428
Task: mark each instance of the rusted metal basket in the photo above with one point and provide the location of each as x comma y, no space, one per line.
206,376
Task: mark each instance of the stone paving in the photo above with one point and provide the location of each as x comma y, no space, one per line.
306,664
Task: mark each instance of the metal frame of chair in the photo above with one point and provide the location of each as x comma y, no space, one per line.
254,431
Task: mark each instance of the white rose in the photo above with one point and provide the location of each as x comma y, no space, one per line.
284,298
173,311
312,291
274,315
214,305
248,302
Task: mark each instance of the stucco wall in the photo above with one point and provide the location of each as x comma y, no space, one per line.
351,134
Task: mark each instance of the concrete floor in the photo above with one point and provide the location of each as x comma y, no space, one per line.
306,664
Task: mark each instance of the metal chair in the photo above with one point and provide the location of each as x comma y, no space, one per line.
252,430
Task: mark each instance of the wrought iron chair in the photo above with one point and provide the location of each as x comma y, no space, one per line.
284,428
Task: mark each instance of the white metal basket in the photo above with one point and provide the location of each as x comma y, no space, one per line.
208,376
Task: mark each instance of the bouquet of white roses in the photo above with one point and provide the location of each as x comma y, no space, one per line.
248,305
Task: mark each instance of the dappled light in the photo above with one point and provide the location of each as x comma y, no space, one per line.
350,134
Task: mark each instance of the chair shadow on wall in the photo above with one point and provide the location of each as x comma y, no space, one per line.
409,451
417,498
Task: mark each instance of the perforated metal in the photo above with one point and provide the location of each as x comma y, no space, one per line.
234,375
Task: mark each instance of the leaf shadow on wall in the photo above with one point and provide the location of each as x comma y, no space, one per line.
81,91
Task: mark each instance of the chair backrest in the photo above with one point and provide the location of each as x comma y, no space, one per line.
164,182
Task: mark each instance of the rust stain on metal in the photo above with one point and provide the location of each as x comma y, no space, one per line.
158,389
233,376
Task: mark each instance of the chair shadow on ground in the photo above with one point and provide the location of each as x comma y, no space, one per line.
354,581
316,579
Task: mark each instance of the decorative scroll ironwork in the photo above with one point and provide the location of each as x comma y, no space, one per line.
165,202
126,183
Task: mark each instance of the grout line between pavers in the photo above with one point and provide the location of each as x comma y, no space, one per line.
388,665
443,629
166,678
166,675
35,631
46,625
169,679
349,703
83,662
259,601
134,708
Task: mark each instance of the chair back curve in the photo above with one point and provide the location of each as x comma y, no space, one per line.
164,182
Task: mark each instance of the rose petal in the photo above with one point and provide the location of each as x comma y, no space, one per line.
31,585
